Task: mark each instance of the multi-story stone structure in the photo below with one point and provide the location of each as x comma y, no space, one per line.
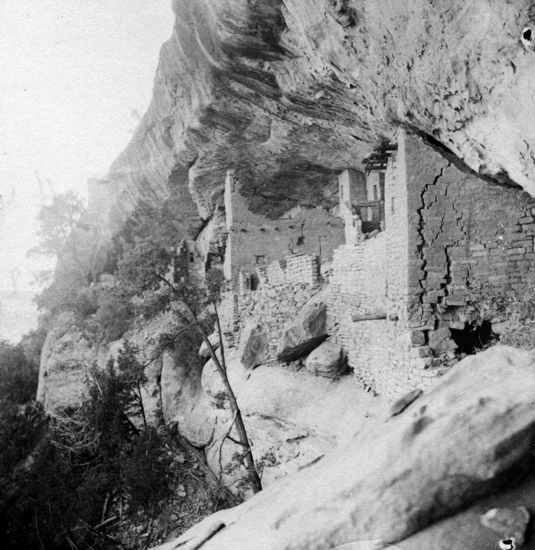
417,230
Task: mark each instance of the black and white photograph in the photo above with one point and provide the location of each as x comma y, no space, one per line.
267,274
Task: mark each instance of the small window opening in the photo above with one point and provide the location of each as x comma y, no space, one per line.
473,339
375,194
255,281
301,240
191,257
527,35
260,259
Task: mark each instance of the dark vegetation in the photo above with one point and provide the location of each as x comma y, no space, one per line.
98,475
490,303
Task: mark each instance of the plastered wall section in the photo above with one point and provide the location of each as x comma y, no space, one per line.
460,228
256,241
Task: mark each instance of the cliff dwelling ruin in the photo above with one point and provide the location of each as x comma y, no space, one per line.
398,254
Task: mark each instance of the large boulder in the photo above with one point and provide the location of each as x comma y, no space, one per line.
327,360
183,400
472,435
211,380
304,333
253,345
65,357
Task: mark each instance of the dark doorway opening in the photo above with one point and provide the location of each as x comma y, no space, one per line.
472,339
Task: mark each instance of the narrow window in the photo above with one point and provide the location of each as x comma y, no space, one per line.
191,257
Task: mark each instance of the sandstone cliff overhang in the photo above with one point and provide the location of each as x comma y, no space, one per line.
291,93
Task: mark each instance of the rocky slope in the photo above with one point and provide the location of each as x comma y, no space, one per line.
288,93
470,437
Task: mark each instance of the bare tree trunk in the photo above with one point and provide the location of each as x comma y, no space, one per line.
243,440
141,406
240,426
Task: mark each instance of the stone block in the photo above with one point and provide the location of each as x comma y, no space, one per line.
253,345
327,360
304,333
418,338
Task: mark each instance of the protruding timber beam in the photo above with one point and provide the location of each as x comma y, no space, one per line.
376,315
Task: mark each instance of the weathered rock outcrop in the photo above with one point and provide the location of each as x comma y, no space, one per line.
65,354
292,418
469,437
289,93
185,402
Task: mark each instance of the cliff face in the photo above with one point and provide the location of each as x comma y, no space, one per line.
290,93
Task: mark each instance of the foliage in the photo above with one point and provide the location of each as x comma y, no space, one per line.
114,315
146,275
18,373
33,341
68,292
488,302
147,470
59,232
54,481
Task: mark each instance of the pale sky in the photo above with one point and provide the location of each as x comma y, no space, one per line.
74,77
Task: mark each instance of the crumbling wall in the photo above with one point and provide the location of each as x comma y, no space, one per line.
444,227
256,241
460,228
285,286
370,278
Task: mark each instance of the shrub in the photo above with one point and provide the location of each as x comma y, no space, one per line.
114,315
147,471
18,375
488,302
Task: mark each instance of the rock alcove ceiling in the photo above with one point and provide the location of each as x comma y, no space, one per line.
289,93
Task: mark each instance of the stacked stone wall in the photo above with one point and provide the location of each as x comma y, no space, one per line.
358,287
256,241
371,277
444,228
461,228
286,286
395,295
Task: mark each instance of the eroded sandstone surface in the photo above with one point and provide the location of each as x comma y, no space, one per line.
469,437
289,93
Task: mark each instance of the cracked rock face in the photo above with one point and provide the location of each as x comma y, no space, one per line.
290,93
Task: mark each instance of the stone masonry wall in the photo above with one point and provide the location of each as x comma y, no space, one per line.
285,286
257,241
372,276
443,227
358,286
460,227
